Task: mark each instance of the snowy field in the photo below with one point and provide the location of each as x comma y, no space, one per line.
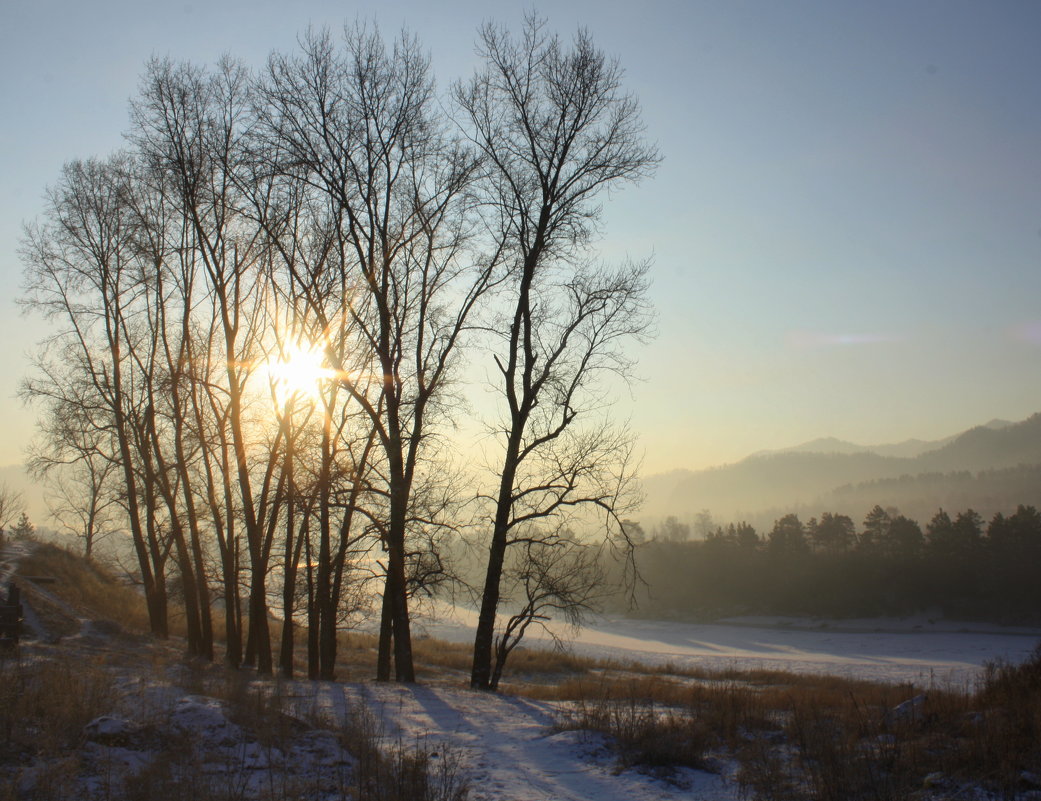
509,749
917,650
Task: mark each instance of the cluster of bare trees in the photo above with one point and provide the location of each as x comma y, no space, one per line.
263,309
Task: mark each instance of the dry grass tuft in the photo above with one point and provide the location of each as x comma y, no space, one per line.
44,705
399,771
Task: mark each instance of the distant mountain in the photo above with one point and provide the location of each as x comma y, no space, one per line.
989,446
908,449
811,473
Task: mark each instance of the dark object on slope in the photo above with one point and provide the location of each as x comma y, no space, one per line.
11,618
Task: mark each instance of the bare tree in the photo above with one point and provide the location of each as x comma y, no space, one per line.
190,127
554,574
360,129
10,506
83,273
82,501
556,130
327,204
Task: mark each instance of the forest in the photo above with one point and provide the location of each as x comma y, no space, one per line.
958,567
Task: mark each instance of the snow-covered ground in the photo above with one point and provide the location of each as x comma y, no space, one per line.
508,748
918,650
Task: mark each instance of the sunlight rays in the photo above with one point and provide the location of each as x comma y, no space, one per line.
299,373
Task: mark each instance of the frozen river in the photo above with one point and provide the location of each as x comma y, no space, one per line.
915,650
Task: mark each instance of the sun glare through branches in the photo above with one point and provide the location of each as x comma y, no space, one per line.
298,373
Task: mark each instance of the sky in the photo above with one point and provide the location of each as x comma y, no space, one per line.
845,228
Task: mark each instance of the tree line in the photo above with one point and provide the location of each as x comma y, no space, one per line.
958,566
266,313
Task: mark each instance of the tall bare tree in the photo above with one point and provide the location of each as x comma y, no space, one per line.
83,272
556,130
327,202
360,127
190,125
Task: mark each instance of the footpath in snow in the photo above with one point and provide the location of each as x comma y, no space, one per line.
508,747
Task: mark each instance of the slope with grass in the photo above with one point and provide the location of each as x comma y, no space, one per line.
105,711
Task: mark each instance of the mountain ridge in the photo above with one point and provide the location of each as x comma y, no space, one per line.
804,475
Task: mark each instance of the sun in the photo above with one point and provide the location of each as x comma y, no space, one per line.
299,372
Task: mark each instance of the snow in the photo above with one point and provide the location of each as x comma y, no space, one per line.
510,749
159,720
508,746
915,650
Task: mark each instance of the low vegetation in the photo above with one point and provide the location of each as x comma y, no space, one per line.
83,586
778,735
823,738
98,713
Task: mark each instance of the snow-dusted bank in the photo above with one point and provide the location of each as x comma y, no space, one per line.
917,650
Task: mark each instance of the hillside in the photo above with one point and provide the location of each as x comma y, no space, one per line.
94,709
987,467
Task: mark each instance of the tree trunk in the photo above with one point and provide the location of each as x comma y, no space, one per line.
383,656
481,672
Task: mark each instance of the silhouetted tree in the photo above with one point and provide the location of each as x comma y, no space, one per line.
904,540
551,575
744,535
788,536
876,530
556,130
84,273
959,539
10,505
832,533
359,127
24,528
704,525
673,530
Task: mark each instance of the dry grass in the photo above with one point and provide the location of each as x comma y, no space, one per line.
399,771
793,736
87,587
820,738
46,702
44,705
382,771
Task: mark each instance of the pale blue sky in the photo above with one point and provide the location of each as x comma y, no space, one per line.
846,227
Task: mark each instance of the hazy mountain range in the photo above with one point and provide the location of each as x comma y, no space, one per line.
908,449
990,468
